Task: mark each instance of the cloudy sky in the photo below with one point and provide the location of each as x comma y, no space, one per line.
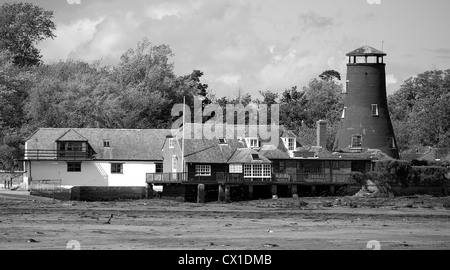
256,44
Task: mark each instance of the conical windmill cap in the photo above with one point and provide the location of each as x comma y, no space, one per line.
366,51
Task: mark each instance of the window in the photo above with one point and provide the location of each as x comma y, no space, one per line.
356,141
116,168
375,109
267,170
281,166
256,157
251,142
346,87
171,143
291,145
343,113
74,166
174,163
257,170
335,165
71,146
106,143
235,168
203,170
247,170
393,143
159,168
222,141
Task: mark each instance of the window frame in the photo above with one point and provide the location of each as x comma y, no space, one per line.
252,142
106,143
236,168
291,144
174,164
353,141
202,170
114,169
257,171
159,170
71,168
375,111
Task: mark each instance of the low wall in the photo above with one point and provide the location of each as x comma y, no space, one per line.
178,192
435,191
92,193
62,194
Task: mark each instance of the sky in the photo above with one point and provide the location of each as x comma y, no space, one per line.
255,45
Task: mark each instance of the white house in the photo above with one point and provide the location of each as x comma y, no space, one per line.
94,157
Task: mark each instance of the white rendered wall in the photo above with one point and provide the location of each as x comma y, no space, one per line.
93,173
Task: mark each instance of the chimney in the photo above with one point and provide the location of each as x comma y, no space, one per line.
322,133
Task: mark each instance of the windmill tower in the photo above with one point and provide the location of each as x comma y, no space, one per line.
365,118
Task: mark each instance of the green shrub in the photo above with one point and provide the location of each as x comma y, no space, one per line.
359,178
427,176
392,172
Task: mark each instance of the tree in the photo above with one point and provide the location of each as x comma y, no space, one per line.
420,112
22,26
329,75
14,84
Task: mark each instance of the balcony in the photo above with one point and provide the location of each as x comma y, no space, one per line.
213,178
40,154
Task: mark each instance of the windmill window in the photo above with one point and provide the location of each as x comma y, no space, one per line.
343,113
375,109
106,143
356,141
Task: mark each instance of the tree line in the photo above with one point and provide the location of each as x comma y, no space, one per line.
140,91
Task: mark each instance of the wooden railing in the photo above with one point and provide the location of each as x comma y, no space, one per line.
218,177
237,178
40,154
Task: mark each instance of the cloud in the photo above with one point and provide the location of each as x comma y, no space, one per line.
69,37
74,2
443,51
312,21
390,79
374,2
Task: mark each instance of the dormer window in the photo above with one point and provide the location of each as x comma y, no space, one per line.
289,143
222,141
256,157
106,143
252,142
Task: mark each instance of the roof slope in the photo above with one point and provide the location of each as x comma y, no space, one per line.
125,144
210,151
366,51
244,155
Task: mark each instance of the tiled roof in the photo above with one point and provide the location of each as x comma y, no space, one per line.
244,155
71,135
210,151
125,144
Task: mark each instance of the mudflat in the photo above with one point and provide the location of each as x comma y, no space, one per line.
416,222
